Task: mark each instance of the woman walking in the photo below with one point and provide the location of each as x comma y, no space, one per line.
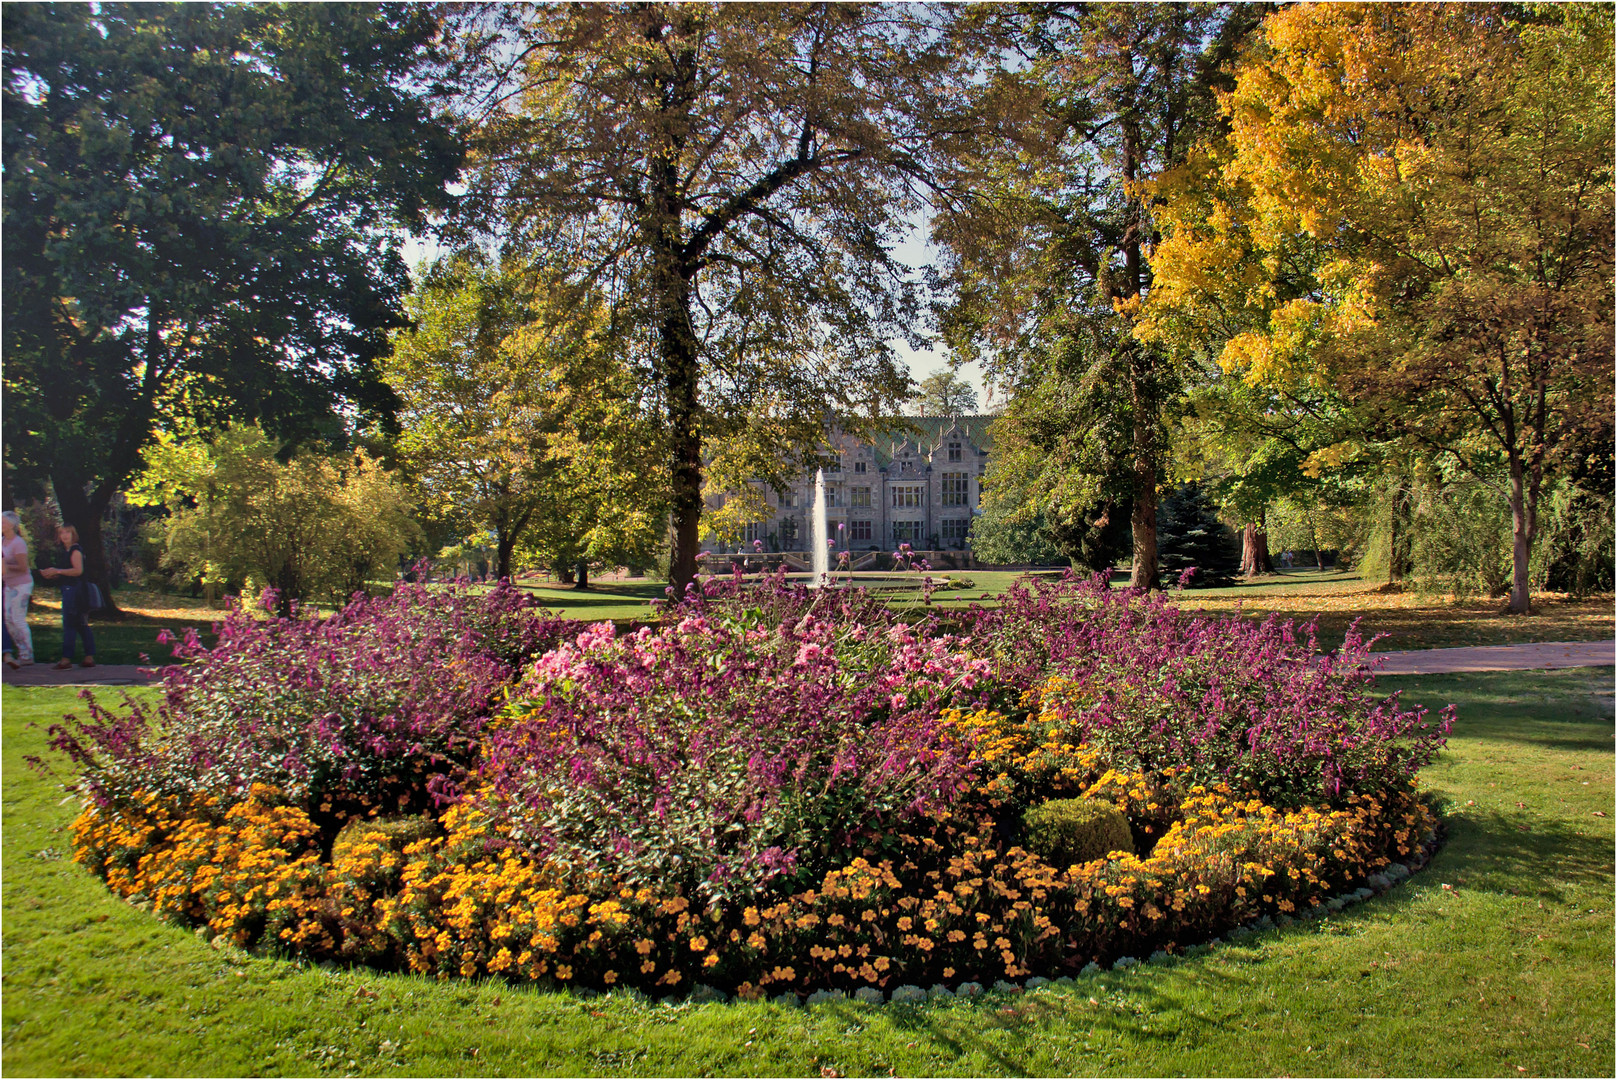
69,570
19,585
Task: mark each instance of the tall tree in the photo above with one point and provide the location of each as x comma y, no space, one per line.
1445,174
201,192
1049,265
734,177
943,393
517,415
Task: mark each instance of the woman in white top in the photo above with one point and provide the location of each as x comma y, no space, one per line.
19,586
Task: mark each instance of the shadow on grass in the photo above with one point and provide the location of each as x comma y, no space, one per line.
1569,710
1521,854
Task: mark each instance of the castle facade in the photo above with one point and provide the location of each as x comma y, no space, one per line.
920,487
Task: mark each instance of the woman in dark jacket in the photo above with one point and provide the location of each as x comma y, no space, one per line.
69,573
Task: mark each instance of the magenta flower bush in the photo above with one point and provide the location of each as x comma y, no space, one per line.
753,735
774,788
360,711
1220,700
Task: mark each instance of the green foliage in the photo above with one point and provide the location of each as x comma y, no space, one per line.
1189,535
396,833
944,393
736,178
1575,550
312,527
521,419
209,194
1048,261
1000,535
1065,832
1412,211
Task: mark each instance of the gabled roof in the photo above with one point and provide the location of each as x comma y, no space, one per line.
928,432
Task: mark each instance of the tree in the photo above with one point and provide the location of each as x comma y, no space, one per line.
201,193
943,393
1049,264
1194,539
310,527
1443,176
511,399
734,177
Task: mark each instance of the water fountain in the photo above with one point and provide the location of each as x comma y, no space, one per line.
817,538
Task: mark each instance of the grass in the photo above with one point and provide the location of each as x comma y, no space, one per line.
1509,972
1410,621
132,639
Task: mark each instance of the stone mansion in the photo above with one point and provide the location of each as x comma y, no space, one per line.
919,487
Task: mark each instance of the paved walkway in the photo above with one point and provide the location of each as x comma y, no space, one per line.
1547,654
45,674
1550,654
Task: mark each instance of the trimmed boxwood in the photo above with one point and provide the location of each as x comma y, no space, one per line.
1065,832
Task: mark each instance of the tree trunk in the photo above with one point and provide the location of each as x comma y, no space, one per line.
504,543
1399,561
1143,574
1255,561
1521,541
1142,395
583,575
681,371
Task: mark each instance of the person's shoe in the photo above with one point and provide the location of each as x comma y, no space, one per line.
11,662
89,661
63,664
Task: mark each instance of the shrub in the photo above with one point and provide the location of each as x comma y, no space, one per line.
243,868
1147,688
726,748
1067,831
774,789
343,715
389,834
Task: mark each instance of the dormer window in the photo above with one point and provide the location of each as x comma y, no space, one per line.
859,466
954,451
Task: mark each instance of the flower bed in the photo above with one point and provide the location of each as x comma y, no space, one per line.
777,790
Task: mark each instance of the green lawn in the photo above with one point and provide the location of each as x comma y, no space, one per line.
132,638
1508,972
1335,599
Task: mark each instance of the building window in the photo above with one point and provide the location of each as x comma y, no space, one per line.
859,530
906,532
830,496
908,494
859,466
954,451
956,489
757,530
859,496
835,465
954,530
